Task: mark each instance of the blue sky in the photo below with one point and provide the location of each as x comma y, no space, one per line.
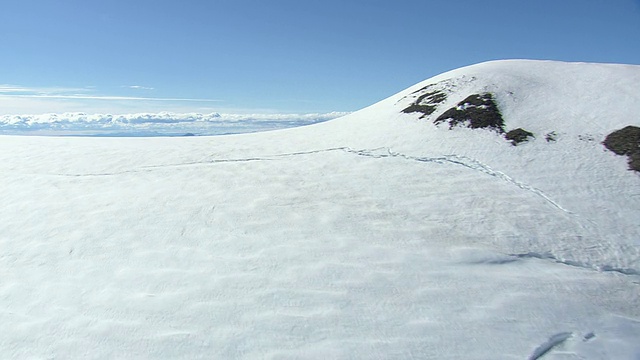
121,56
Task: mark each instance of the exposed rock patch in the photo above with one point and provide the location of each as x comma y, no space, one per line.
552,136
476,111
517,136
426,103
626,141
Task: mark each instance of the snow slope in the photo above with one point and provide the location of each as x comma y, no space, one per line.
375,235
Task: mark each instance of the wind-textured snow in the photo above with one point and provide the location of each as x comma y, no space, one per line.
375,235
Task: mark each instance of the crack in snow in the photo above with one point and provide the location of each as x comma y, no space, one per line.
467,162
206,162
382,152
603,268
385,152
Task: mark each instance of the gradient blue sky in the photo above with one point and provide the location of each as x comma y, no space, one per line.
120,56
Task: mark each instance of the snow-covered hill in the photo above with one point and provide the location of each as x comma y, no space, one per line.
397,231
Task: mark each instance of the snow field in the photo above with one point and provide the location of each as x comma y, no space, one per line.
370,236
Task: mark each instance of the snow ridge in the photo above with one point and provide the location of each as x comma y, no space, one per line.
553,342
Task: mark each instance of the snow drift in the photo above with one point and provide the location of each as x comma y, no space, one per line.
475,215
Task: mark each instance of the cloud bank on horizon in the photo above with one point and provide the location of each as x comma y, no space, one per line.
154,124
86,111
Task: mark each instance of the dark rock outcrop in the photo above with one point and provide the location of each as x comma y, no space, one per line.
426,103
516,136
476,111
626,141
552,136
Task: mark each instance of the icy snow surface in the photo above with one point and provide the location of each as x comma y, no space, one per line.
375,235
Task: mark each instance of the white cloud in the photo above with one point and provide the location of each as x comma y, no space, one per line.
11,90
104,97
55,109
139,87
17,99
162,123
